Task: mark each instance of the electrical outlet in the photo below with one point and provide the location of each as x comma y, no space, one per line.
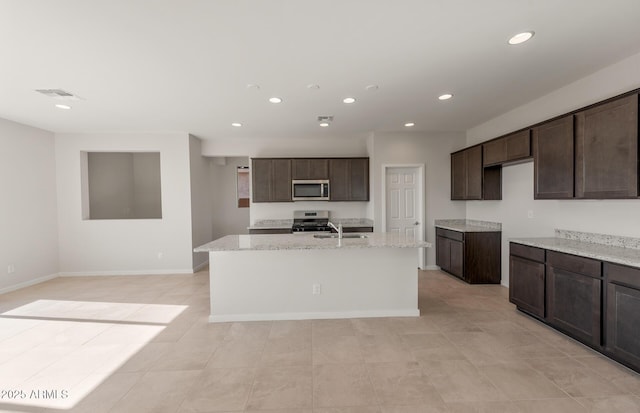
316,289
530,214
11,269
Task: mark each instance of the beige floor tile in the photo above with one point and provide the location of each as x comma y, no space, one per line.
431,347
237,353
460,381
402,384
291,329
352,409
384,348
550,406
413,325
483,407
372,326
281,387
252,330
145,358
158,391
336,349
612,404
220,390
341,385
519,381
184,356
332,328
616,374
419,408
574,378
287,351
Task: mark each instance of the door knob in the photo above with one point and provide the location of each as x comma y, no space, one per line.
416,223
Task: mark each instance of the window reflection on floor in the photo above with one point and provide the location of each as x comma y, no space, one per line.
54,352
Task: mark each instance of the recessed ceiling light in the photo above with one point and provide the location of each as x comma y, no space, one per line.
409,124
349,100
275,100
61,106
445,96
324,124
371,88
253,86
521,37
236,124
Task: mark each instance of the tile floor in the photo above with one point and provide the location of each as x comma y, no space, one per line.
143,344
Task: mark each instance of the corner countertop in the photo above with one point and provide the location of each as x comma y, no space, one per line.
468,225
286,223
308,242
586,247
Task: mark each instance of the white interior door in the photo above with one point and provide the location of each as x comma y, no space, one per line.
403,203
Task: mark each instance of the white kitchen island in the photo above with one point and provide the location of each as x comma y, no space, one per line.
296,277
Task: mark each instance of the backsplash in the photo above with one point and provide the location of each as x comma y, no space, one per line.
611,240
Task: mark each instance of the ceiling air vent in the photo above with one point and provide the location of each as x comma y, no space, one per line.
58,94
325,118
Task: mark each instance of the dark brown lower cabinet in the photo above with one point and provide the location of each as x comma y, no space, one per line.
622,315
527,279
471,256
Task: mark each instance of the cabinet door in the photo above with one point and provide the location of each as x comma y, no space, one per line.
574,304
494,152
339,179
458,176
281,180
443,255
553,159
622,320
261,171
607,150
518,145
526,285
310,168
359,179
456,251
474,172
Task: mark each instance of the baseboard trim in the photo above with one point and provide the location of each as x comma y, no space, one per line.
313,315
28,283
129,272
201,266
432,267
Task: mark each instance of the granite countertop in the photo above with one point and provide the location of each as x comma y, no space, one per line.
589,245
468,225
307,242
286,223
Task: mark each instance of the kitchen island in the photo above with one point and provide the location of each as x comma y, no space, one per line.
295,277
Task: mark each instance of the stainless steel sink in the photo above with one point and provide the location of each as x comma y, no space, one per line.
336,236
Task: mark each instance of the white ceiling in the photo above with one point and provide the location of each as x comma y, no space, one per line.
183,65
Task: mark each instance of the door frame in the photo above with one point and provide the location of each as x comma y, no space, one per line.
421,201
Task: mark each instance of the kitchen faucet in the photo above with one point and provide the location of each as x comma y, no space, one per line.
338,228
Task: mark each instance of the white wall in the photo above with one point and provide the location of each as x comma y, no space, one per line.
431,149
28,217
125,246
228,219
617,217
201,197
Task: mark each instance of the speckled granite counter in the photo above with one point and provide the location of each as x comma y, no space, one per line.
468,225
619,250
286,223
307,241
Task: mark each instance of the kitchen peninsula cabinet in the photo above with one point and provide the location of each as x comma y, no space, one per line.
622,318
607,150
527,278
553,159
349,179
310,168
271,179
471,256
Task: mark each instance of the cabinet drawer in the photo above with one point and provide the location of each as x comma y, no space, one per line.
619,274
447,233
575,264
524,251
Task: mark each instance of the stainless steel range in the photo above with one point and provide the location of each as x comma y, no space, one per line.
310,221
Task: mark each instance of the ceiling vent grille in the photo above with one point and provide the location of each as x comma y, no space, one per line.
58,94
325,118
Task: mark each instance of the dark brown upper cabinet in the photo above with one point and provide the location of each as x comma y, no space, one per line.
466,174
510,148
607,150
311,168
553,159
349,179
271,180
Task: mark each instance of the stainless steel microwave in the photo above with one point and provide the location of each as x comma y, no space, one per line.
310,190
